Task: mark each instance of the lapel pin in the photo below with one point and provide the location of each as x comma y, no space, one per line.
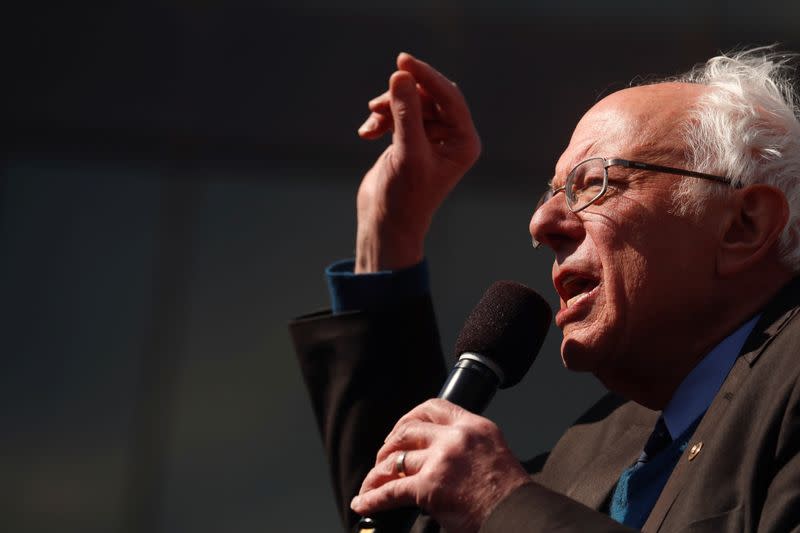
695,449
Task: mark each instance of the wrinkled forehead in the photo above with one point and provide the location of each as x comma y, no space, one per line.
636,123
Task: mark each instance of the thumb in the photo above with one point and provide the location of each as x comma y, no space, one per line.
409,132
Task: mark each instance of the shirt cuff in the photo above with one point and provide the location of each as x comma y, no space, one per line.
375,291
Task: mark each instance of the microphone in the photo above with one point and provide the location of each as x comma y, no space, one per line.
495,348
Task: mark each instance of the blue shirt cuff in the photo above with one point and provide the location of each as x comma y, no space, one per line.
379,290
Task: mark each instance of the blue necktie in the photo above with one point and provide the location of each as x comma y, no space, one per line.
659,439
641,484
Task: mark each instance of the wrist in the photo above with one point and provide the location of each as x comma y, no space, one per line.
378,250
501,490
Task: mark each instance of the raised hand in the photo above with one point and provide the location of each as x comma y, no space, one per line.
434,142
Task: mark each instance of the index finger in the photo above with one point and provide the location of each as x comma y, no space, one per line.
441,89
390,495
434,411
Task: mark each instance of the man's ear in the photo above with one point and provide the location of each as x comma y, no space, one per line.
754,220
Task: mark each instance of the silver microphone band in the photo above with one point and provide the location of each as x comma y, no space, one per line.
485,361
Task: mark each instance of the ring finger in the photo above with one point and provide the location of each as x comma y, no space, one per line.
396,465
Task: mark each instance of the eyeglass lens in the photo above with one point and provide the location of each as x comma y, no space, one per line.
586,183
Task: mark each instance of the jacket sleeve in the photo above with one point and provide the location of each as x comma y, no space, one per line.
533,508
363,372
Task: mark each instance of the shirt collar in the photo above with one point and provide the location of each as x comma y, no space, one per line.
696,392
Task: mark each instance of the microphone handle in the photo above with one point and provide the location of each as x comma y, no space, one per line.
398,520
470,385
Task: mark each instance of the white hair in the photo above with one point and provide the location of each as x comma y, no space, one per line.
746,128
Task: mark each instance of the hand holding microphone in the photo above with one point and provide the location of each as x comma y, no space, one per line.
441,457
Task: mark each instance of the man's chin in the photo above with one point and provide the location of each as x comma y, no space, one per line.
578,356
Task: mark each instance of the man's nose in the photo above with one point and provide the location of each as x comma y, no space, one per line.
554,225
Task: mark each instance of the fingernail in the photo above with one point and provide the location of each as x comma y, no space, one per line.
354,502
369,125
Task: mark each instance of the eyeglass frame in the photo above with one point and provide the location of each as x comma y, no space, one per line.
626,163
616,161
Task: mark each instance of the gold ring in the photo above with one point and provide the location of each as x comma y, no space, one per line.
400,464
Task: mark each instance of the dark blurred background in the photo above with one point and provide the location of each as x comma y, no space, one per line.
178,173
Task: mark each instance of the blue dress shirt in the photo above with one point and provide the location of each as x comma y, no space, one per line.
695,393
641,484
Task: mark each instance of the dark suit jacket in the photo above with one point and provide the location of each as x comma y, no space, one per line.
740,472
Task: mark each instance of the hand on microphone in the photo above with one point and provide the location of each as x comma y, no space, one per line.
457,467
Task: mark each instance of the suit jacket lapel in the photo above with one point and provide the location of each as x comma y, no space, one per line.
775,317
602,473
679,475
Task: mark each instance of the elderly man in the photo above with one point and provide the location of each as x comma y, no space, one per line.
673,218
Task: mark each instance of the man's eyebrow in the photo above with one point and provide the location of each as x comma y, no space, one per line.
552,181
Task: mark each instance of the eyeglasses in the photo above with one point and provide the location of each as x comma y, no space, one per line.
588,181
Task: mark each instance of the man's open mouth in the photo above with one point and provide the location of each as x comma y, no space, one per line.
575,287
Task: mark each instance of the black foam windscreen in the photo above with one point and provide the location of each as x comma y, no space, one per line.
508,326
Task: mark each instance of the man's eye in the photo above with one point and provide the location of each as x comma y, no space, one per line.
593,182
589,185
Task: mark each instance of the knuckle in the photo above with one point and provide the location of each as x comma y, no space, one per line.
387,466
401,433
435,402
384,451
472,432
437,472
484,426
367,484
393,491
458,441
448,407
369,499
461,432
402,111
